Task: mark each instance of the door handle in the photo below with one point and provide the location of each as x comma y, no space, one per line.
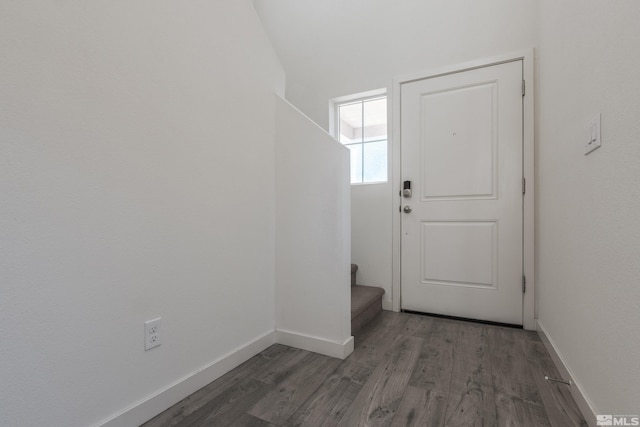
407,209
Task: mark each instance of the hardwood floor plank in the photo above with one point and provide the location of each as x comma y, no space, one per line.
419,326
329,403
517,398
471,399
175,415
428,391
247,420
279,368
379,323
435,365
380,396
420,408
375,341
560,407
227,407
289,394
406,370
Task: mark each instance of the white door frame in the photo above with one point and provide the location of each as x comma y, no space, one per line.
528,309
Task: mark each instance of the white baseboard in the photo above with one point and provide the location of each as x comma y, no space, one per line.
151,406
583,403
387,304
315,344
148,408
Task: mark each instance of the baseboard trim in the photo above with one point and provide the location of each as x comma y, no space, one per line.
151,406
387,304
583,403
324,346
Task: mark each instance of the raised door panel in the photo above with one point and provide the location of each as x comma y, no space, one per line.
459,253
459,141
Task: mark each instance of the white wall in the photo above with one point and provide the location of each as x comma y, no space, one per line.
312,235
136,180
333,48
371,230
588,234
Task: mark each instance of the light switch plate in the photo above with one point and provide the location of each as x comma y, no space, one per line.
592,135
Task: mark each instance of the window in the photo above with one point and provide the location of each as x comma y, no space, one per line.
362,127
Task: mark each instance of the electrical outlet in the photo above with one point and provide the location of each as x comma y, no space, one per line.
152,333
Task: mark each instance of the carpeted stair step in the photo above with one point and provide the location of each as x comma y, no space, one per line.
366,303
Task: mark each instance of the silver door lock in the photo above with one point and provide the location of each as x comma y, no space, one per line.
407,209
406,189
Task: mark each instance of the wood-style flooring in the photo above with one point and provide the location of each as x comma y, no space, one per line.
406,370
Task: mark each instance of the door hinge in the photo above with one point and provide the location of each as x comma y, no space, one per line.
524,185
524,88
524,284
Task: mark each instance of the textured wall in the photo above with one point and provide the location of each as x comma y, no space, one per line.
136,181
588,234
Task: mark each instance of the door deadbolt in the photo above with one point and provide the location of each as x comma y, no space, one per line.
407,209
406,189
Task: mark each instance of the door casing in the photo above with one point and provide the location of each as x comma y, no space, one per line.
526,56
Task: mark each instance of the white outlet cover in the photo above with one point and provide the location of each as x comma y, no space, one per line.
592,138
152,333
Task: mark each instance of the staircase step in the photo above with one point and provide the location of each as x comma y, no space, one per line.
366,303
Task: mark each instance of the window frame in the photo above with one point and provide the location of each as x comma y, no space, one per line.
334,125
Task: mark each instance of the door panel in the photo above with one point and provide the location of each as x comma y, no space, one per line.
458,153
443,242
461,146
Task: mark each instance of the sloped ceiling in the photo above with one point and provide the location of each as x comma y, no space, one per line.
332,48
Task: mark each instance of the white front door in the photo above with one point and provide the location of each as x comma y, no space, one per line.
461,148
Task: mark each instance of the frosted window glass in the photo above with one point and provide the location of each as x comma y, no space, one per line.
375,161
350,122
375,119
363,129
356,163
